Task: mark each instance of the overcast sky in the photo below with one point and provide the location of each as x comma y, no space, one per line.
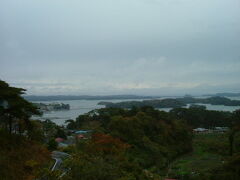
96,47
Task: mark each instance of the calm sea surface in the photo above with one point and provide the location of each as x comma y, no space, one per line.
78,107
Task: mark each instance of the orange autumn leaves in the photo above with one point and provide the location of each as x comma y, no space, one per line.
21,159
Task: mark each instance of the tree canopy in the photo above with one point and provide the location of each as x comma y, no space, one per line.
15,111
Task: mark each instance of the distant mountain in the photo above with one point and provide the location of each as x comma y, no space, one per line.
224,94
84,97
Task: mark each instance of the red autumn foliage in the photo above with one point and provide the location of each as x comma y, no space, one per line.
108,144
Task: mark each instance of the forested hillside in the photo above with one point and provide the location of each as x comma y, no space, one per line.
138,143
153,138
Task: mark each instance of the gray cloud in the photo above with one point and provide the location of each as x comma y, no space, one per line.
128,46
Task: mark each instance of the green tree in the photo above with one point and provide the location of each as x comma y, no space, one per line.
234,130
71,124
60,133
52,145
15,115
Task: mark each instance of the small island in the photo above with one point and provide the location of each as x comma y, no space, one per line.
52,106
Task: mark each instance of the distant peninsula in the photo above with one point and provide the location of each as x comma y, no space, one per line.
173,103
85,97
226,94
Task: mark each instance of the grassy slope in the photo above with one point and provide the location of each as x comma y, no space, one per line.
208,153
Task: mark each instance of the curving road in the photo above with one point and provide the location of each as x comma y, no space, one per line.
58,157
